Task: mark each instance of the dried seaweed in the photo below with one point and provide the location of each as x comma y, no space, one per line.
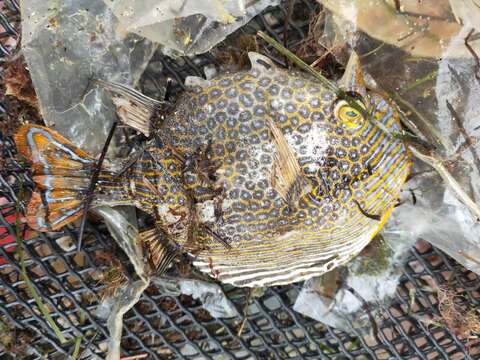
18,83
462,319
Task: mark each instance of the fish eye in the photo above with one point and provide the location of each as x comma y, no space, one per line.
347,114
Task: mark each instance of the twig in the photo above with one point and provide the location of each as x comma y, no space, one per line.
366,307
373,51
285,24
216,236
133,159
397,5
468,140
135,357
474,54
76,350
245,309
436,162
366,214
430,76
23,267
90,341
434,135
93,182
300,63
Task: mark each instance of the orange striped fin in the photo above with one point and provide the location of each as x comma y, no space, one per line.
46,148
52,182
61,172
56,214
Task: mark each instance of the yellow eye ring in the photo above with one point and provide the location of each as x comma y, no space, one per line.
348,115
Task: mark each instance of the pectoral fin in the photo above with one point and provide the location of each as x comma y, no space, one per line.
287,175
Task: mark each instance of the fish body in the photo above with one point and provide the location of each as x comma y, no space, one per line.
265,175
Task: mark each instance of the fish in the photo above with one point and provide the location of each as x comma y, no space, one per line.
264,176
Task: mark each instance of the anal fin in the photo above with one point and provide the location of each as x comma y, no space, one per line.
160,253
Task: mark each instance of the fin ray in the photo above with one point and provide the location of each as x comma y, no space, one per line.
133,108
61,172
287,176
160,254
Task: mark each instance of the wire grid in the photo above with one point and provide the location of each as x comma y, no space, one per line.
166,327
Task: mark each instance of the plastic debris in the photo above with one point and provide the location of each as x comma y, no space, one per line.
126,299
186,27
438,216
421,28
441,98
68,44
210,295
124,231
466,12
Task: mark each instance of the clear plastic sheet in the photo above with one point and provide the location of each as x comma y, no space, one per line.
67,44
186,27
127,297
124,231
211,295
420,28
440,96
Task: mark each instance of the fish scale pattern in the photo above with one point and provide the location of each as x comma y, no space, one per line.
349,171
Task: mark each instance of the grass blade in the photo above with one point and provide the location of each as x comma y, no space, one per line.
23,269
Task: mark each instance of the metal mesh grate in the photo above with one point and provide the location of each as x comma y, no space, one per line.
163,327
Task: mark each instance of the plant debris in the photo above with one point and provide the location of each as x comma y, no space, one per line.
113,279
17,96
14,341
457,314
18,82
232,54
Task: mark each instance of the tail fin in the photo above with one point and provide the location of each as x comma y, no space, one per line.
61,172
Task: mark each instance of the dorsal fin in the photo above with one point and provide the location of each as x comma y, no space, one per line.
133,108
352,79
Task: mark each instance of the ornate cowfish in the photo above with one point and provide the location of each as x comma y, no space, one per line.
264,176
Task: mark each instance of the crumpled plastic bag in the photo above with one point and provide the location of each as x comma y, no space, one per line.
421,28
186,27
66,45
211,295
447,223
127,297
